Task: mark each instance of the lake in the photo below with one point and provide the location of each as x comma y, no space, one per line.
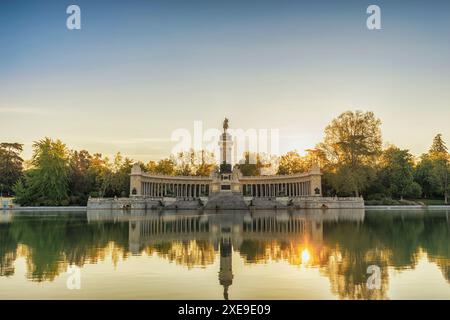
306,254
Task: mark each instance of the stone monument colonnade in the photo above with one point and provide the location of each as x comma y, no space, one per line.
158,186
226,179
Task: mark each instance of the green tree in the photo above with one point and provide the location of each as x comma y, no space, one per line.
10,166
206,164
425,176
121,176
251,164
99,173
110,179
190,163
351,145
22,190
349,180
438,145
184,163
81,182
440,157
397,173
48,182
165,166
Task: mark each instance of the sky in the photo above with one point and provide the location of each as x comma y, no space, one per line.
138,70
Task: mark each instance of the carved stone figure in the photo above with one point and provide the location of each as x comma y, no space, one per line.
225,124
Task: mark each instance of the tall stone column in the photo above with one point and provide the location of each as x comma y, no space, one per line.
136,180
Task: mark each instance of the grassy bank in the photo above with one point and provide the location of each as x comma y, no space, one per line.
404,202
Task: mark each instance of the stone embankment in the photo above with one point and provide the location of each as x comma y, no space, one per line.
225,201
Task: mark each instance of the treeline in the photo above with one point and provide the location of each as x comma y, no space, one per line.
354,163
56,176
351,156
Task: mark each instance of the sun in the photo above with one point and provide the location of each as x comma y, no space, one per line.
305,256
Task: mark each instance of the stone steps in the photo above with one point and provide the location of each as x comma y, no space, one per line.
185,205
226,201
267,203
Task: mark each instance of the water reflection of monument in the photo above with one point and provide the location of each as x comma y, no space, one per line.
226,232
226,266
5,217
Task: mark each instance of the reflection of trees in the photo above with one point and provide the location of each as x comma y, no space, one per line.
8,247
255,251
388,239
263,251
383,239
348,276
436,242
53,242
191,253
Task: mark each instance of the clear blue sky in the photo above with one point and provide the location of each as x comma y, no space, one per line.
137,70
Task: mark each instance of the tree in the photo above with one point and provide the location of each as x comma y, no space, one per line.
10,166
99,173
425,176
150,167
397,173
47,183
291,163
438,145
198,163
348,180
22,190
439,155
120,184
80,181
251,164
206,165
165,166
351,145
184,163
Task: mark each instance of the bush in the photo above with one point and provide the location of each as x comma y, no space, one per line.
415,190
393,202
390,202
376,196
407,202
95,194
373,202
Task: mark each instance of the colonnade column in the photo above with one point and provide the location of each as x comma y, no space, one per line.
187,190
266,190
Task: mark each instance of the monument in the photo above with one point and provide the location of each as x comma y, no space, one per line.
226,188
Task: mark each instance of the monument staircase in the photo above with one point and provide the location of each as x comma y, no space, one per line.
185,204
267,203
226,201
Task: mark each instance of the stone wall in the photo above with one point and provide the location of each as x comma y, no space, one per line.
328,203
123,203
144,203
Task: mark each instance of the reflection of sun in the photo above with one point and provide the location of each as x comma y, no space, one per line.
305,256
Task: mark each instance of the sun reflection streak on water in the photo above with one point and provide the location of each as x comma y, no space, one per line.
306,256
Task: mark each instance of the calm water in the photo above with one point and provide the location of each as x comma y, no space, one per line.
263,255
